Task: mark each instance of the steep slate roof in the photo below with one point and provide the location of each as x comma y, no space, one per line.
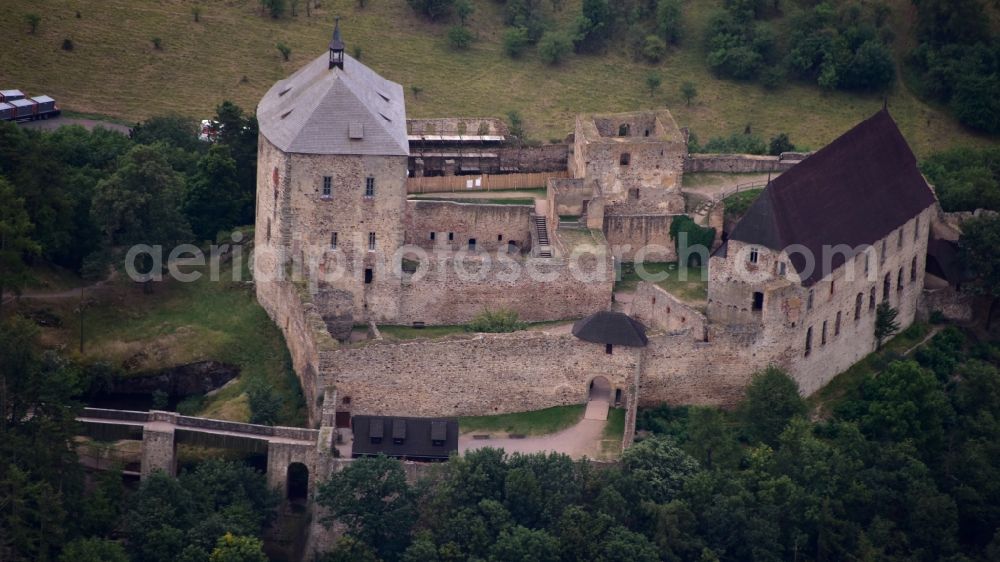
854,191
611,327
316,110
418,436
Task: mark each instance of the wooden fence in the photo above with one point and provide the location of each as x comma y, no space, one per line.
482,182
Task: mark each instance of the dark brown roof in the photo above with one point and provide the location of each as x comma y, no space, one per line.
411,438
611,327
854,191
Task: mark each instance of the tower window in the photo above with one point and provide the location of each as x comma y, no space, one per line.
451,236
433,235
758,300
608,348
333,240
625,158
822,340
836,325
327,186
913,269
781,268
369,187
809,301
369,275
753,255
371,241
499,237
623,130
472,244
809,341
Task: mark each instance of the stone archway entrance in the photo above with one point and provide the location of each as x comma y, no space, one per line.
297,484
600,389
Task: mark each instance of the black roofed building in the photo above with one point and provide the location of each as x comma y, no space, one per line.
823,245
611,328
422,439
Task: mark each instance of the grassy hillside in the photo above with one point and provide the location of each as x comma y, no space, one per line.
114,69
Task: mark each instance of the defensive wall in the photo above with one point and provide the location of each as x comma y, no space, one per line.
741,163
449,225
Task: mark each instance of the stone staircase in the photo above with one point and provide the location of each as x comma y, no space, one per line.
541,232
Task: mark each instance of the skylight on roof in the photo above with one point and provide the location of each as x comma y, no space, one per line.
383,96
285,91
287,113
385,117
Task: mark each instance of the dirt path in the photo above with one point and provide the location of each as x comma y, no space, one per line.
711,184
67,294
578,441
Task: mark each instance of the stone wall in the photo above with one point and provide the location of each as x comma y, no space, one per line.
452,288
629,234
527,159
656,308
739,163
454,224
477,374
955,306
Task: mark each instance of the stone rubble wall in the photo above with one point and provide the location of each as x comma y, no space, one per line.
740,163
629,234
656,308
492,226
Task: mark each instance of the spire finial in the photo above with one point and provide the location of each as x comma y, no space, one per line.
336,47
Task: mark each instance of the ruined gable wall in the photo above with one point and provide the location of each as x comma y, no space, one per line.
438,294
629,234
658,309
492,226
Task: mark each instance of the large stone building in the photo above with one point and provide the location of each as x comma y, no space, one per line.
338,244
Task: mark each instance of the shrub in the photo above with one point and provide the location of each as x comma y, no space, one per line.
653,81
274,8
157,43
965,179
737,143
695,236
653,48
553,47
195,13
780,143
773,77
33,20
459,37
464,9
285,51
772,400
433,9
937,317
498,321
516,123
668,20
515,41
689,91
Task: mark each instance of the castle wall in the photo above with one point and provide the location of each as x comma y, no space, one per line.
492,226
658,309
476,375
740,163
629,234
453,288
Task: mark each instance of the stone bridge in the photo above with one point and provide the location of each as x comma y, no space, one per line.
161,432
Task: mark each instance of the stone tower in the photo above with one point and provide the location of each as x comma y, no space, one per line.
331,190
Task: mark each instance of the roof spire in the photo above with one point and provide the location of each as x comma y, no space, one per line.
336,47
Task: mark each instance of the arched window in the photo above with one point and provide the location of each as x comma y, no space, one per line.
623,130
857,306
871,299
625,159
899,280
913,269
836,325
809,341
886,285
822,340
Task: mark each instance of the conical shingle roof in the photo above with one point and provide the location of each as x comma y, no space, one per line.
611,327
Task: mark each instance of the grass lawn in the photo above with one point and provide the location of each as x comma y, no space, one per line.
180,323
409,332
849,382
114,69
693,290
614,430
539,422
738,203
